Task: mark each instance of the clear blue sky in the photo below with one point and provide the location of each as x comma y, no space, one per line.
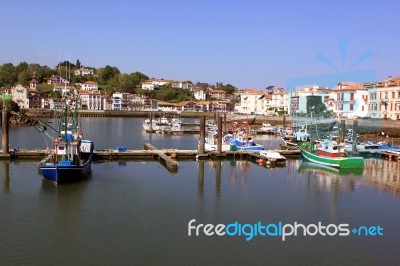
249,44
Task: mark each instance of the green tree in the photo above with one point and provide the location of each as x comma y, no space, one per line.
54,94
125,83
21,67
24,78
138,78
8,76
315,105
107,73
230,89
78,64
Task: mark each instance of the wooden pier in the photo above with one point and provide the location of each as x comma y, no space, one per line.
391,155
168,157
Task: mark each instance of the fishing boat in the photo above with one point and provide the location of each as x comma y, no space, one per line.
301,135
71,157
330,153
243,142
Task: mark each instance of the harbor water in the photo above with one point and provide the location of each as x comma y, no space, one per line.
138,213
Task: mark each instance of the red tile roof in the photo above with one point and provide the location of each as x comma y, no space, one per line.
349,86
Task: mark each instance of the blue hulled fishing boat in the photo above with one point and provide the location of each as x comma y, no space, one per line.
71,158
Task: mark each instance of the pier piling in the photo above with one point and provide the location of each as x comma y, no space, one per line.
5,129
342,130
354,144
219,143
202,137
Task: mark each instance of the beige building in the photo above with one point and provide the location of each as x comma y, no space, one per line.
384,99
255,102
279,100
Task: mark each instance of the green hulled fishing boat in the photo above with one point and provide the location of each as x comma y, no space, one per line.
330,153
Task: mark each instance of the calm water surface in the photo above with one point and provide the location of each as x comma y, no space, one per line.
137,212
109,133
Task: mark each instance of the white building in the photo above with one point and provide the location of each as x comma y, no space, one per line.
136,103
298,98
279,100
180,84
384,99
64,89
254,101
120,101
217,94
20,95
199,94
90,86
57,80
84,71
90,100
151,84
351,100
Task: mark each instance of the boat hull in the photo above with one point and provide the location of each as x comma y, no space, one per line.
249,145
213,147
61,174
250,148
339,162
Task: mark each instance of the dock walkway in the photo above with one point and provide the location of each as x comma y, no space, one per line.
168,157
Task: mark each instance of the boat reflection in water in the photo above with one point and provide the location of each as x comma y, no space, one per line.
383,174
323,170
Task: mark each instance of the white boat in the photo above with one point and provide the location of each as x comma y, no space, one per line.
273,156
211,127
266,128
299,136
150,127
176,127
210,143
163,121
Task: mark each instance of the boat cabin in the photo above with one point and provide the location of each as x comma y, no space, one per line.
330,148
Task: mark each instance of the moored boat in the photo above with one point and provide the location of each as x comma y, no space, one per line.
71,157
266,128
150,125
211,142
176,127
330,154
273,157
299,136
243,141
